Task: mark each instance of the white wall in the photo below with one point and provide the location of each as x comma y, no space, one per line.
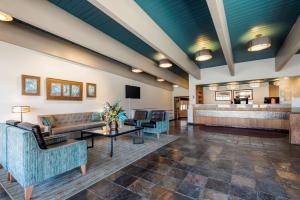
16,61
258,94
258,69
179,92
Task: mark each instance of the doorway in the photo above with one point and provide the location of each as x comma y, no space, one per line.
181,105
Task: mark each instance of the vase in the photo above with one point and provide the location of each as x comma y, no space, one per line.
113,126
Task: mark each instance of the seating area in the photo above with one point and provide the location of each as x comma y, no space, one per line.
150,100
60,149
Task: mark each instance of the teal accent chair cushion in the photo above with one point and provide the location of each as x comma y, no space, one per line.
29,164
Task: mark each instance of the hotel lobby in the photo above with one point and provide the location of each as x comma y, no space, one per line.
150,100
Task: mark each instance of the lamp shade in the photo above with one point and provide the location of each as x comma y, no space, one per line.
21,109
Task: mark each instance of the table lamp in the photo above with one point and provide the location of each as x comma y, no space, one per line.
21,109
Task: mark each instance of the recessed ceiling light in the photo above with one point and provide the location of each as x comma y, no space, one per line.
5,17
175,86
165,63
136,70
276,83
259,43
232,86
203,55
255,84
213,87
160,80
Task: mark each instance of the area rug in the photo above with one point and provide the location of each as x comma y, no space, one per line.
100,165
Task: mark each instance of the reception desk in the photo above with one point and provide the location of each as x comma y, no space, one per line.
265,116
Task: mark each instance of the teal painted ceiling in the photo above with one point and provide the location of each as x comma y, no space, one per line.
188,23
96,18
247,18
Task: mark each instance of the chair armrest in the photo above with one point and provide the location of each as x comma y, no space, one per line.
62,158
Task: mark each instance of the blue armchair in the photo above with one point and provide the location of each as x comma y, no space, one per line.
26,162
157,124
140,116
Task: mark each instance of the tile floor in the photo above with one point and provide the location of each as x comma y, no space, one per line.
208,163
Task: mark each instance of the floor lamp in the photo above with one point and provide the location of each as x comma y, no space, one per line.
21,110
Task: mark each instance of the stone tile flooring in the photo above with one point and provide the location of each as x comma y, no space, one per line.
208,163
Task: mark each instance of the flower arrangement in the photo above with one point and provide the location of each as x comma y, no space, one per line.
113,113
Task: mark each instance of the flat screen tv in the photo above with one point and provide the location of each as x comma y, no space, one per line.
132,92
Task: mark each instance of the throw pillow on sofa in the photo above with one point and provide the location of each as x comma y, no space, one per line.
96,117
49,121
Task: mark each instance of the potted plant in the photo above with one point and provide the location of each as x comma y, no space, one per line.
113,114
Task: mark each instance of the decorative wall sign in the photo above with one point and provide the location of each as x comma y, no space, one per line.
225,95
58,89
31,85
91,90
245,93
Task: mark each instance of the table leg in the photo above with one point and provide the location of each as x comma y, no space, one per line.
93,141
111,147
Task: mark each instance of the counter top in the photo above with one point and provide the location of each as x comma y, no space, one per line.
243,106
295,110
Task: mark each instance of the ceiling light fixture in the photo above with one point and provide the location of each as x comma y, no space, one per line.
276,83
136,70
175,86
165,63
203,55
160,80
5,17
255,84
232,86
213,87
259,43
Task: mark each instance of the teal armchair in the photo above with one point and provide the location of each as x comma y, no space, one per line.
29,165
157,123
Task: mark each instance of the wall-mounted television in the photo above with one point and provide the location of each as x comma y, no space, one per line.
132,92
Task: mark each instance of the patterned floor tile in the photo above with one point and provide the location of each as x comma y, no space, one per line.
214,195
243,181
217,185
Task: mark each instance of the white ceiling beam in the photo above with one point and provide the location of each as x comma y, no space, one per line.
217,12
24,36
55,20
289,48
133,18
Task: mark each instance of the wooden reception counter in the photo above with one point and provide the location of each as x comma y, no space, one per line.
265,116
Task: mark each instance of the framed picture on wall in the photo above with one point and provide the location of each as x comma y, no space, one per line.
64,90
91,90
31,85
245,93
225,95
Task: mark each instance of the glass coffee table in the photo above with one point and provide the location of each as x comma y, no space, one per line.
134,131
